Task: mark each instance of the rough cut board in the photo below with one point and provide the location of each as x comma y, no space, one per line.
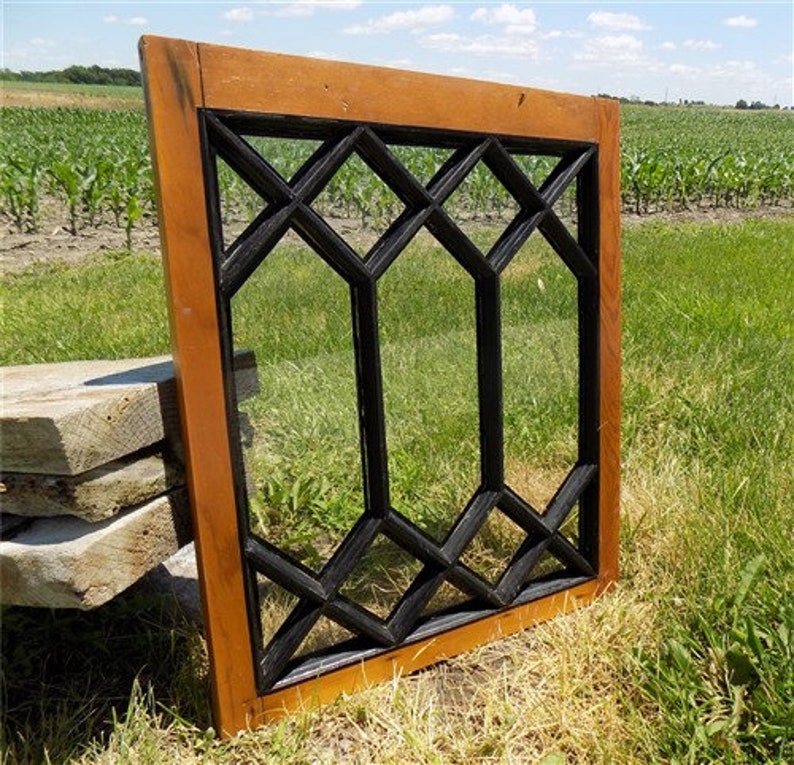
71,417
71,563
97,494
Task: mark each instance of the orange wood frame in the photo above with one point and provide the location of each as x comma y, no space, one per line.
181,77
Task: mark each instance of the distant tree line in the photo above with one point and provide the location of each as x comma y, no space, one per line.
80,75
740,104
648,102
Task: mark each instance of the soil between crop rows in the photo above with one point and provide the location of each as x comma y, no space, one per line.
55,244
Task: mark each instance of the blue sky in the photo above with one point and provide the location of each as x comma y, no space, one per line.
717,52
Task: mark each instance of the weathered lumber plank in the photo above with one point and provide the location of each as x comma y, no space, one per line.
97,494
71,417
71,563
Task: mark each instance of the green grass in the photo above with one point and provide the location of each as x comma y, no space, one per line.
112,307
709,402
690,658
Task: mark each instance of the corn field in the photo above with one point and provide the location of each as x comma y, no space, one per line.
86,168
677,158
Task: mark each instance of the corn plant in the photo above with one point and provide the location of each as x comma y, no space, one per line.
91,168
19,187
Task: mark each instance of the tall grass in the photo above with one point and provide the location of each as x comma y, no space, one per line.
688,660
709,410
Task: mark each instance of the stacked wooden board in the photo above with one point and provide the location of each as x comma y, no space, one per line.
93,493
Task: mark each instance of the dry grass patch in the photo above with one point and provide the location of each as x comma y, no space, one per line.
62,95
556,689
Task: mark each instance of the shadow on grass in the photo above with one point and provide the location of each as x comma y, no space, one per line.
67,676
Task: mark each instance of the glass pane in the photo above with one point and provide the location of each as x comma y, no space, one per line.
275,605
421,161
545,567
380,578
302,460
446,596
489,553
538,167
239,203
540,367
324,635
482,206
358,204
286,156
429,358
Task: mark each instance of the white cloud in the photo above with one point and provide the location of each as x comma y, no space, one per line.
291,11
308,7
615,51
617,22
701,45
331,5
684,70
667,46
743,72
413,20
507,15
327,55
558,34
740,21
746,70
239,14
400,63
520,29
726,81
499,45
297,8
516,22
620,43
133,21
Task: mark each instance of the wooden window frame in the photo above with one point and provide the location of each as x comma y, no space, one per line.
183,77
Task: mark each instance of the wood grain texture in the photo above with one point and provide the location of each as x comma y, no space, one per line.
71,563
609,340
173,93
415,656
70,417
268,82
97,494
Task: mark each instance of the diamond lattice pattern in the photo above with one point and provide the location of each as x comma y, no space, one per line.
453,167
